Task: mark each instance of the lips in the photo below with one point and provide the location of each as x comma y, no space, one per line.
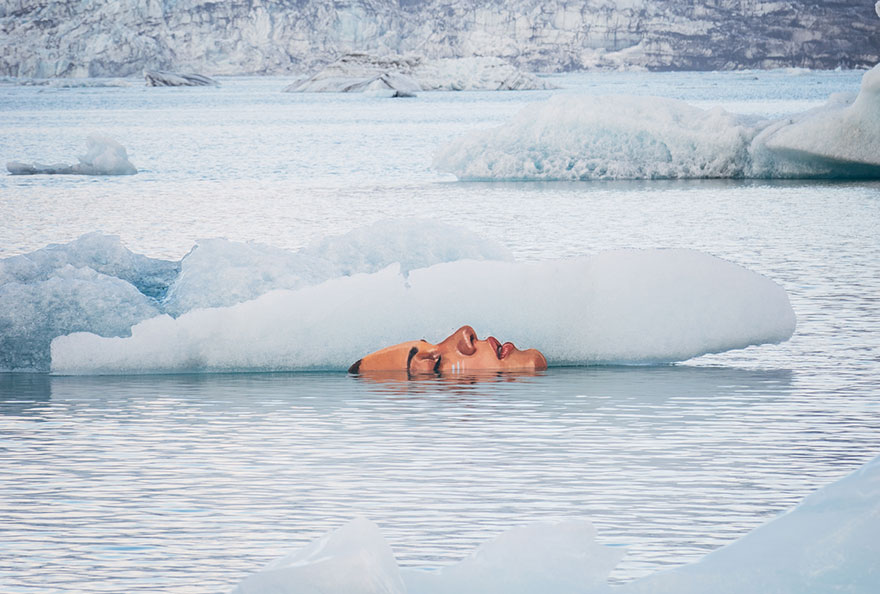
501,350
496,345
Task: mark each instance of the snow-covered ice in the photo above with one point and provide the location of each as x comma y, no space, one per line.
410,74
104,156
628,306
828,543
633,137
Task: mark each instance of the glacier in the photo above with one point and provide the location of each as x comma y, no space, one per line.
93,306
827,543
121,38
104,156
406,75
629,137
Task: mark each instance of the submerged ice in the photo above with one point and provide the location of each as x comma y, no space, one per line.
104,156
233,306
624,137
828,543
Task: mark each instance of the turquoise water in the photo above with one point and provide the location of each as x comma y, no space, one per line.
187,483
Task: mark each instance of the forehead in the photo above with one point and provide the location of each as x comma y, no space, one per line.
391,358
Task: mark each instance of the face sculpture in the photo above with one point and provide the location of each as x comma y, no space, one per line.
461,352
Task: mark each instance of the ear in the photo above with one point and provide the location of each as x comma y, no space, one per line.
424,361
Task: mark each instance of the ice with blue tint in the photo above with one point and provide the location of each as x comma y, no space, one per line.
828,543
627,306
218,272
96,284
634,137
104,156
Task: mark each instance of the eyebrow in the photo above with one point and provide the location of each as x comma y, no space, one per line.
409,357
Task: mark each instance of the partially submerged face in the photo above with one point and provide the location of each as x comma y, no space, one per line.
461,352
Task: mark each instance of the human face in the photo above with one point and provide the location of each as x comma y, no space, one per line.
461,352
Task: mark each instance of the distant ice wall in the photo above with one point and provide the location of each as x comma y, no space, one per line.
629,306
828,543
623,137
120,38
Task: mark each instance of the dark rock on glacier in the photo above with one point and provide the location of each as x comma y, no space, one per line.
161,78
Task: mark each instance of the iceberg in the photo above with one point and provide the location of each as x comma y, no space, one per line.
405,75
627,137
628,306
162,78
828,543
104,156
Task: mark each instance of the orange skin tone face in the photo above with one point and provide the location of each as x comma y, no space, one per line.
461,352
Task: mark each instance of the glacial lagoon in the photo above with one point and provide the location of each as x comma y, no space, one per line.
188,483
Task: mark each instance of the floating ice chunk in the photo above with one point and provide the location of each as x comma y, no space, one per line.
69,300
562,558
828,543
161,78
476,74
605,137
627,306
840,139
104,156
404,75
354,559
623,137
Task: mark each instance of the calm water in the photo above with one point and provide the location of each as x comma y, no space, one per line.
187,483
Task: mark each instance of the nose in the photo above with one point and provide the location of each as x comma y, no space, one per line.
464,340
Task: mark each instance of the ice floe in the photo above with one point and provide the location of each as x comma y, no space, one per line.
244,306
628,306
161,78
628,137
828,543
104,156
405,75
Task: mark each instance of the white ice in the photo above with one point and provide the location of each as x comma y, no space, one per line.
628,137
828,543
628,306
104,156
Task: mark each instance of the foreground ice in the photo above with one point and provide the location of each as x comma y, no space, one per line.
104,156
628,306
410,74
622,137
828,543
